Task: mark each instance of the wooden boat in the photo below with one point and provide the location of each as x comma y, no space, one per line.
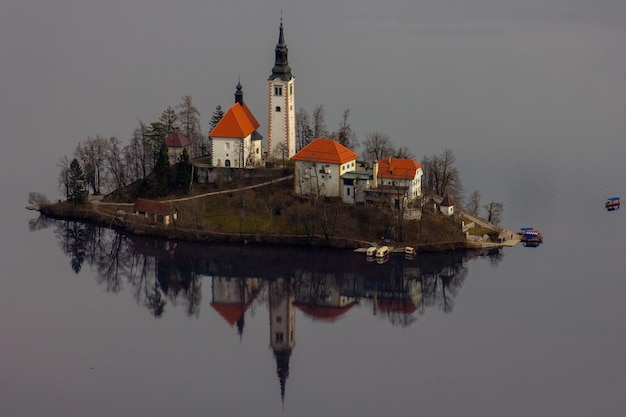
612,203
382,252
371,251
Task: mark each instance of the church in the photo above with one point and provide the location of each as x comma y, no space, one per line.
235,141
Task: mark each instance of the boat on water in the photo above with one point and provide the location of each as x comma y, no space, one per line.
382,252
612,203
531,237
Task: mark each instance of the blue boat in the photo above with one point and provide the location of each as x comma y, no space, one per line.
612,203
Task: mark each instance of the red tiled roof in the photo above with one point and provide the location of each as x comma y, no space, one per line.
403,169
324,313
152,207
176,140
238,122
326,151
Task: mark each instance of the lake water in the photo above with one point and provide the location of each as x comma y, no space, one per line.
99,323
531,98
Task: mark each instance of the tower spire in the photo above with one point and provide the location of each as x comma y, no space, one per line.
281,69
239,93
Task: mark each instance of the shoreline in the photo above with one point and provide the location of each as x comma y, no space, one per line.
85,213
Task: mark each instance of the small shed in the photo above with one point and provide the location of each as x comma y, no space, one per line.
176,143
157,211
447,206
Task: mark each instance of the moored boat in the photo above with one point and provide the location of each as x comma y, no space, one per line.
612,203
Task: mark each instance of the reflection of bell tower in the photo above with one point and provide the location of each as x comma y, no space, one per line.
282,327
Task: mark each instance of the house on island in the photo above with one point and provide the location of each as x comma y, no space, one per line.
235,141
396,180
156,211
176,143
446,206
319,167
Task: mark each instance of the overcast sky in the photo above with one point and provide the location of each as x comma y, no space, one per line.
503,76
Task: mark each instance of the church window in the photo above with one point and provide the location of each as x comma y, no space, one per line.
278,90
279,337
227,146
277,108
291,90
279,319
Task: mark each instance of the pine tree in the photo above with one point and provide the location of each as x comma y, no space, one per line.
183,172
162,171
76,191
216,117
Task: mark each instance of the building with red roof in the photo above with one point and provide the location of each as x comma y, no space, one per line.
403,173
156,211
235,141
320,165
176,143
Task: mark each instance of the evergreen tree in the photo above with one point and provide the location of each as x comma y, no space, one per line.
183,172
216,117
162,171
76,191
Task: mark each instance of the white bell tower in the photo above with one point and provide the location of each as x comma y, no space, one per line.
281,116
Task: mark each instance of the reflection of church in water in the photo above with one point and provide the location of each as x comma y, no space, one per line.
319,296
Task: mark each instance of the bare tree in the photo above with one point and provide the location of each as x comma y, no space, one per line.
189,118
304,133
345,135
376,146
494,212
403,152
63,178
442,177
474,203
319,122
91,155
114,162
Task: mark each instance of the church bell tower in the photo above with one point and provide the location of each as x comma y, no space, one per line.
281,116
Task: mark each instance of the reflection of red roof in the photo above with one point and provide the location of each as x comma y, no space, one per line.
176,140
326,151
394,305
231,312
238,122
324,313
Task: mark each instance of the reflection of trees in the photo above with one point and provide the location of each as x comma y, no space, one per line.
143,264
326,283
442,282
75,237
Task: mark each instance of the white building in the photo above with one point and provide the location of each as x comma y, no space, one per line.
235,141
319,167
281,116
396,172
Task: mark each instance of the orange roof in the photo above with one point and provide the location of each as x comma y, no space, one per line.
238,122
326,151
403,169
176,140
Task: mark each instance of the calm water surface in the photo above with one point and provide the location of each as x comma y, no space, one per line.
99,323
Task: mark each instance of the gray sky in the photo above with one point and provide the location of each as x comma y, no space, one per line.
507,77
